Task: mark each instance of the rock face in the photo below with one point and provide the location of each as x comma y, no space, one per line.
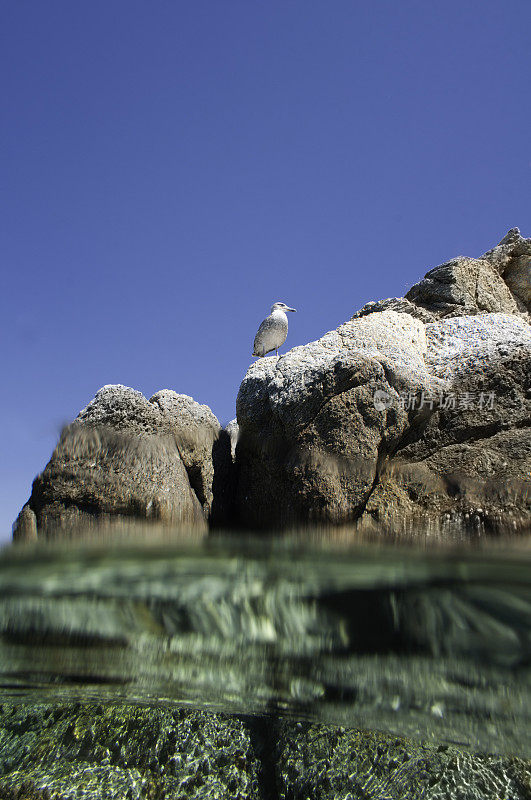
310,435
472,461
511,258
416,406
126,458
196,430
499,280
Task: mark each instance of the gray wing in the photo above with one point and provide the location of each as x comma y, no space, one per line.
263,337
271,335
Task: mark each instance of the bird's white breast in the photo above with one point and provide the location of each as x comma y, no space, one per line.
279,328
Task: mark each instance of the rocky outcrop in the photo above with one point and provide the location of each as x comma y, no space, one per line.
462,286
126,458
196,431
311,436
400,304
418,406
511,259
498,281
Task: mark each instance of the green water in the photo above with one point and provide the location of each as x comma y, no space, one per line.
428,641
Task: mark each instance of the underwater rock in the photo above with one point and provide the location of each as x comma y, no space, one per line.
314,760
94,751
114,752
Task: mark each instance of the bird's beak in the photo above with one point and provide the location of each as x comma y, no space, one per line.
291,309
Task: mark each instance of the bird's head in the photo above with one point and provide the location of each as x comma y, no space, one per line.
281,307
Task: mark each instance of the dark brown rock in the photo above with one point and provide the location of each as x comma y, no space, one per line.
389,420
311,430
126,458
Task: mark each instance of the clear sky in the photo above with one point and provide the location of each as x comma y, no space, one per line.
170,169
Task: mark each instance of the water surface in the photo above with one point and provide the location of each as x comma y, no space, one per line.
427,641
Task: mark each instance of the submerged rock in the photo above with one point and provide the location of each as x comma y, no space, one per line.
324,761
115,752
127,458
94,751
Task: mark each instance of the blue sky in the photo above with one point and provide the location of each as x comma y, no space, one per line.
170,169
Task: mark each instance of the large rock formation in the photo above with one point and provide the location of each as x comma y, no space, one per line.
127,458
511,259
416,406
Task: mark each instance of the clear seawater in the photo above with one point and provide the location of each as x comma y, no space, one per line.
422,639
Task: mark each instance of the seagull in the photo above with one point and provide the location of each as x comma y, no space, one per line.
273,330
